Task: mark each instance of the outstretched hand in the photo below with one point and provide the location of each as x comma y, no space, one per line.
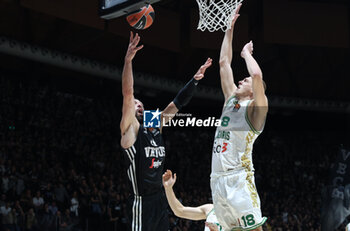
169,179
212,226
200,73
247,49
236,15
133,48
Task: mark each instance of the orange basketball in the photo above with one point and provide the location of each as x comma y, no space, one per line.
142,18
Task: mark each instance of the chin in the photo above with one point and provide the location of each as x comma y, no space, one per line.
139,118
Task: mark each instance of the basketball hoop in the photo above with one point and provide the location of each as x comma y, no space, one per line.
216,14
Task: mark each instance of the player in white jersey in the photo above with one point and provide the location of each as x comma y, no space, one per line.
203,212
235,198
347,228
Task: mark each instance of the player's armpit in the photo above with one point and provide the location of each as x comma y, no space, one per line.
130,135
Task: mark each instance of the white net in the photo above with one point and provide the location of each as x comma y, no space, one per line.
216,14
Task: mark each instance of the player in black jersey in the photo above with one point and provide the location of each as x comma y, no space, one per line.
144,148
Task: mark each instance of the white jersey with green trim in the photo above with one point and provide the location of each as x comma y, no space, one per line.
211,218
234,139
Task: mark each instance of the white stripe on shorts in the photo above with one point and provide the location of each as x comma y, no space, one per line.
137,214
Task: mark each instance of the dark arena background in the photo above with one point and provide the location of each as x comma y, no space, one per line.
60,108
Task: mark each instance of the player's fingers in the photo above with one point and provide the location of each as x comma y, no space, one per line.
134,40
139,48
208,64
204,66
130,37
199,76
238,7
137,39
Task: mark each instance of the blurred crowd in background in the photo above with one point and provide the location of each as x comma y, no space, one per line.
61,165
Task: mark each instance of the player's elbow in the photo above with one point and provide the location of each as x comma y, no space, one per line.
224,61
179,212
123,127
127,92
256,75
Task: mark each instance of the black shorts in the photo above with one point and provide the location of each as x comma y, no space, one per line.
148,213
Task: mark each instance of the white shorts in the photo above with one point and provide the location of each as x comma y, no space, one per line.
236,201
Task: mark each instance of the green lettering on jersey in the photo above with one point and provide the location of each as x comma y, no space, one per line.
225,121
223,135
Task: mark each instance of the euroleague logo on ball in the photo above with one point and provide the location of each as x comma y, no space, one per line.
142,18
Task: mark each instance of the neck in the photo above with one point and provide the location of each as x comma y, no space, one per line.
242,97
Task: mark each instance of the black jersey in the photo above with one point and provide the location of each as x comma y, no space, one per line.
145,162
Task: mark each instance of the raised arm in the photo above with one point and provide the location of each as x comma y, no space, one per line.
191,213
260,103
185,94
226,75
128,111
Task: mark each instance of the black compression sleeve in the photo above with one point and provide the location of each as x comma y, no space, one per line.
185,94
